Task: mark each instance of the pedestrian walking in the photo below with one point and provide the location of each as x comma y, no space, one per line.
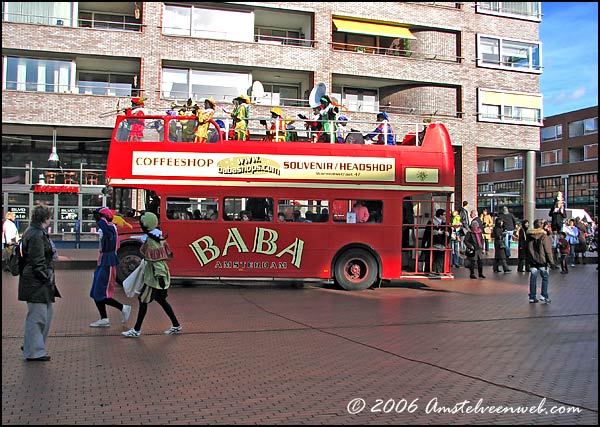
37,285
10,237
539,250
157,277
510,222
523,265
103,284
498,234
564,250
474,241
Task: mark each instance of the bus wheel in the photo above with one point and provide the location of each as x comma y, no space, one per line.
129,258
356,270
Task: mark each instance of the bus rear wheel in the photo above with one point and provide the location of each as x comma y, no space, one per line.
129,258
356,270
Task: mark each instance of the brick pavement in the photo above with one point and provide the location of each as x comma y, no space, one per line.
283,355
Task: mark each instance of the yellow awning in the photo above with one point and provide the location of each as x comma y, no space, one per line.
358,27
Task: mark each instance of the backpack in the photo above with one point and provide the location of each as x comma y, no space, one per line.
15,260
536,252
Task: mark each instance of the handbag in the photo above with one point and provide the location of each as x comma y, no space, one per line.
469,251
135,281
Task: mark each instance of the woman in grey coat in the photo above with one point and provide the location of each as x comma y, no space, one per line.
36,284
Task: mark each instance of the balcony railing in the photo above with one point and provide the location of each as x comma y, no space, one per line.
380,50
31,174
20,18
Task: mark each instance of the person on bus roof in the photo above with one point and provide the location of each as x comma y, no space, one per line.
383,132
240,116
277,130
204,116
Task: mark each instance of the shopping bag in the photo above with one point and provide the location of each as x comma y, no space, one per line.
133,283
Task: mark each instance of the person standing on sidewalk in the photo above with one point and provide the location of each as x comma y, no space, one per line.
474,240
510,223
522,249
37,286
103,284
498,234
488,225
10,237
539,250
157,277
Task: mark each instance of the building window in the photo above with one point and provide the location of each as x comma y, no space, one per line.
43,13
516,9
510,107
590,152
509,54
208,23
552,133
483,166
553,157
513,163
104,21
198,84
100,83
279,36
276,94
356,99
583,127
37,75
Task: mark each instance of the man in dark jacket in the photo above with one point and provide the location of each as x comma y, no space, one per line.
510,223
36,284
539,252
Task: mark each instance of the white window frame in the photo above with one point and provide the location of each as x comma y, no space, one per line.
587,148
509,114
555,130
588,127
219,77
483,166
233,25
557,154
502,49
517,160
499,10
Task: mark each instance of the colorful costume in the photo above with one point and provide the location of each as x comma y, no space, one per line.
103,285
240,117
278,129
137,126
384,132
204,117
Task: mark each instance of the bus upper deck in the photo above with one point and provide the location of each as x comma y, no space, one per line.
156,157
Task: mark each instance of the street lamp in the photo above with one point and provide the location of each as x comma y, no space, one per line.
53,155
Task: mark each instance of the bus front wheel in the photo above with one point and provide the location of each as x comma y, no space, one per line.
356,270
129,258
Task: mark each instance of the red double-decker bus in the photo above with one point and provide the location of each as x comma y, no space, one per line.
355,214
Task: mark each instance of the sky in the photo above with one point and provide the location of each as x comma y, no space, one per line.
569,36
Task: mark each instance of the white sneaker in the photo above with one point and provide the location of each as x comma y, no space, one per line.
125,313
102,323
173,330
132,333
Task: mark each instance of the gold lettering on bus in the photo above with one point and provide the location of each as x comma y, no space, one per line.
248,165
265,243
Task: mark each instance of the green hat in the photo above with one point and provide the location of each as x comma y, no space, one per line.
149,220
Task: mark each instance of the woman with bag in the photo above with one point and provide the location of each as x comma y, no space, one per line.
103,284
157,277
474,250
37,286
499,234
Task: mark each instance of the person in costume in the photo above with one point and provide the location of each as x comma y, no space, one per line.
137,126
240,116
157,277
278,126
204,116
103,284
383,133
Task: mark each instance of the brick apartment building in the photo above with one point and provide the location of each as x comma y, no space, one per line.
567,162
473,66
